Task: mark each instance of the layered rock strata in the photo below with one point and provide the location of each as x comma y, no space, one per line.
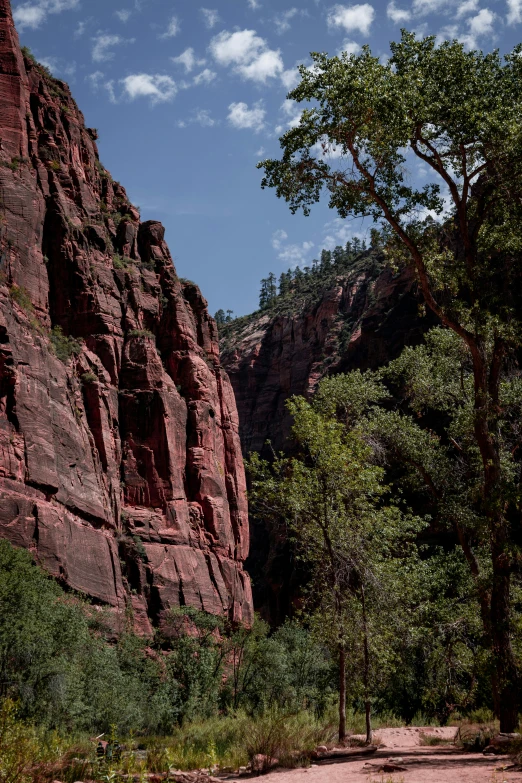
120,461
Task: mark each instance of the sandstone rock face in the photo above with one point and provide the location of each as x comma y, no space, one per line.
359,321
120,460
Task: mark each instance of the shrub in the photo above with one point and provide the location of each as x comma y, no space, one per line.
64,347
140,333
121,262
89,377
19,295
19,748
55,165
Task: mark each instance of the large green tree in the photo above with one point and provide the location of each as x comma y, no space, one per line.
354,544
457,113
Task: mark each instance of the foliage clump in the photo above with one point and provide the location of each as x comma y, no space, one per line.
64,346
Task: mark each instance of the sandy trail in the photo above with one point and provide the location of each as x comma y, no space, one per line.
424,764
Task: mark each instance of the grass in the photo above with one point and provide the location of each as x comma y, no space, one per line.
432,739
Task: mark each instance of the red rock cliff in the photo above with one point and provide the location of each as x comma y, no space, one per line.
358,321
120,461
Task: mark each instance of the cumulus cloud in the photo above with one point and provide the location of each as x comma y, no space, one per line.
188,59
97,81
254,4
467,7
205,77
482,23
241,117
292,114
124,15
210,17
514,11
248,54
293,254
290,78
350,47
338,232
173,28
282,20
398,15
104,43
200,117
31,15
423,7
352,17
158,88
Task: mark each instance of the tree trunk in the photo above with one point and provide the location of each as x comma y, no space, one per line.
369,732
506,674
342,693
366,675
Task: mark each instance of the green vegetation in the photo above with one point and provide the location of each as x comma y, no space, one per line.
63,346
455,111
141,333
19,295
121,262
89,377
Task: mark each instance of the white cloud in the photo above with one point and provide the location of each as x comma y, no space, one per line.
292,114
352,17
154,86
200,117
31,15
188,59
173,28
124,15
243,118
282,20
103,43
80,29
290,78
260,152
422,7
254,4
210,17
514,11
248,54
97,81
467,7
397,15
350,47
338,232
290,253
482,23
205,77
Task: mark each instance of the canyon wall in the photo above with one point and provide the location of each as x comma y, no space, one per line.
120,461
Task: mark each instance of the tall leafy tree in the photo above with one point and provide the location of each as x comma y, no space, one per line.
331,497
458,113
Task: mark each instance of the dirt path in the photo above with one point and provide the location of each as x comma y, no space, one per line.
424,764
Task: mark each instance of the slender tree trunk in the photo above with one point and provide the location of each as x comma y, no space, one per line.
506,673
342,693
366,674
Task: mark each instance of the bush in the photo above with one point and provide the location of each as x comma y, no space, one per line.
140,333
89,377
19,747
19,295
64,347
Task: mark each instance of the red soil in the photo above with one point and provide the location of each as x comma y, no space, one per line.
423,764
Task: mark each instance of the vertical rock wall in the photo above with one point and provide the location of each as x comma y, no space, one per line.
120,461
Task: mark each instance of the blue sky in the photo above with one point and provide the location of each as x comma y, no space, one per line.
188,95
